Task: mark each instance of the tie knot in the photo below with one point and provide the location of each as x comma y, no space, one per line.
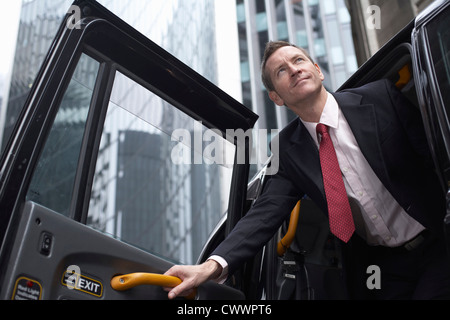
321,128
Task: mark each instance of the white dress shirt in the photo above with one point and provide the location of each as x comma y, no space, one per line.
378,218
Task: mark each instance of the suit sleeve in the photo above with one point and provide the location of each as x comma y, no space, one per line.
255,229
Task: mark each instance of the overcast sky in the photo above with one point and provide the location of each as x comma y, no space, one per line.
9,21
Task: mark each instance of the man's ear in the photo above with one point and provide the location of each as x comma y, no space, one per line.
276,98
322,77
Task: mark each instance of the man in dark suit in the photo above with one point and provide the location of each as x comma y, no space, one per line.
396,205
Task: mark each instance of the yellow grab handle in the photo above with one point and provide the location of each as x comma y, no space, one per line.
128,281
289,237
131,280
404,76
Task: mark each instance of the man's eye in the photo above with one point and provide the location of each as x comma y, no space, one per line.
299,60
280,71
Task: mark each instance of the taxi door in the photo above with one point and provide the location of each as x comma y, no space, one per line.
118,168
431,49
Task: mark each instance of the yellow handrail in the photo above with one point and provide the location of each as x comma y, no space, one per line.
286,241
131,280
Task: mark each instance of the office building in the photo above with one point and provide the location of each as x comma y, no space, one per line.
322,27
374,22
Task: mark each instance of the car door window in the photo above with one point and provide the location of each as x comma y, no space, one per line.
154,186
53,179
144,191
438,31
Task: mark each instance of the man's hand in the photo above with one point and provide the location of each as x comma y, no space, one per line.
192,277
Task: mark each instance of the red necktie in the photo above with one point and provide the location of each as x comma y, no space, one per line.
339,212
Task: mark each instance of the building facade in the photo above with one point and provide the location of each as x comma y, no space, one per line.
322,27
176,25
374,22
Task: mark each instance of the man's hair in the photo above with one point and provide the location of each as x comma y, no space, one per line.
271,47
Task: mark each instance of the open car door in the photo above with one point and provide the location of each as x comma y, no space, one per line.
431,46
107,174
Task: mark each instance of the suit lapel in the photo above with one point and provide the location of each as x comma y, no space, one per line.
363,122
305,156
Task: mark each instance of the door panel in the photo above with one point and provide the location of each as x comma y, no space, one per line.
96,256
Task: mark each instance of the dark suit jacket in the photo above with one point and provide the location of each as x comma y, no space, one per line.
390,133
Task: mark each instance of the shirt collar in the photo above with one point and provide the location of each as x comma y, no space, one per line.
329,117
330,113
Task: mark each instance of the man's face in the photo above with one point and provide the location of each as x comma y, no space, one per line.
295,78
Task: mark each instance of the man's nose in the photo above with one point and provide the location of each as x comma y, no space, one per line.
294,69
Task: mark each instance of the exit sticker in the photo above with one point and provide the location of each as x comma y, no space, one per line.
79,282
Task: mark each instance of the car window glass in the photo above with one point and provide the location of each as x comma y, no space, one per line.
155,184
438,32
53,179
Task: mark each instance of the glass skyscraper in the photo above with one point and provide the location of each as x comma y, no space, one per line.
322,27
185,28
